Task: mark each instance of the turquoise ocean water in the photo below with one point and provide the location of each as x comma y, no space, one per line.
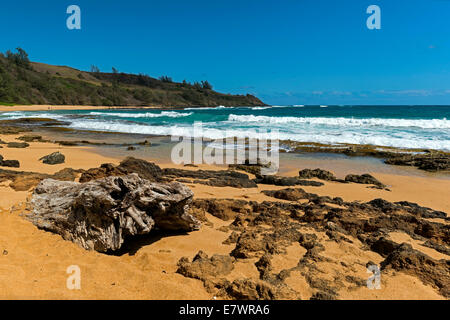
396,126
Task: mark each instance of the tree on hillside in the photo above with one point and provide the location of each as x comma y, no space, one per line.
197,85
206,85
165,79
95,69
20,58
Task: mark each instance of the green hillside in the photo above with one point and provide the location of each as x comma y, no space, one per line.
24,82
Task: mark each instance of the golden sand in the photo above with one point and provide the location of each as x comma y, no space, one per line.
33,263
56,107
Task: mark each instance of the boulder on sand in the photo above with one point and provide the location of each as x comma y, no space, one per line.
54,158
9,163
18,145
364,179
99,215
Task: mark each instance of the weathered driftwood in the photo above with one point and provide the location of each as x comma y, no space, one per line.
99,215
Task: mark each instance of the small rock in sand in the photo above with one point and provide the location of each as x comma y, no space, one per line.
54,158
19,145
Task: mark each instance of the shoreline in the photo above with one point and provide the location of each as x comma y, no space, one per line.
64,107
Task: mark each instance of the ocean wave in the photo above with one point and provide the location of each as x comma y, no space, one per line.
343,122
209,108
260,108
20,114
404,140
168,114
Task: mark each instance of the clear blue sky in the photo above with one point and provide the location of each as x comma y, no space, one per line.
285,52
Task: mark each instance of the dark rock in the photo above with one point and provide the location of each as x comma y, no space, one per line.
286,181
131,148
289,194
253,168
264,266
248,245
321,295
10,163
202,267
12,129
146,170
364,179
224,178
384,246
233,238
31,138
19,145
431,161
67,143
383,205
317,173
54,158
105,170
224,209
438,247
145,143
100,215
224,182
423,212
24,181
416,263
152,172
246,289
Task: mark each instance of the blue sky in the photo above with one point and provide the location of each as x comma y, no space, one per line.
285,52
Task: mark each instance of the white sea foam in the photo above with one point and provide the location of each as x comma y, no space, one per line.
19,114
210,108
260,108
169,114
382,138
345,122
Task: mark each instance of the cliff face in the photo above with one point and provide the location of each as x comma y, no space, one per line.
37,83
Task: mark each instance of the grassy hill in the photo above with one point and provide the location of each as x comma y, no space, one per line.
25,82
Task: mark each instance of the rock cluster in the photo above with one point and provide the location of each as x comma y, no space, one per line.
430,161
259,231
24,181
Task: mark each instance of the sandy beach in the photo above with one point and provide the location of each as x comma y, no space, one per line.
290,152
4,108
34,262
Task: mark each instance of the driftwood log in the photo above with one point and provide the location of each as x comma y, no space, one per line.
99,215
